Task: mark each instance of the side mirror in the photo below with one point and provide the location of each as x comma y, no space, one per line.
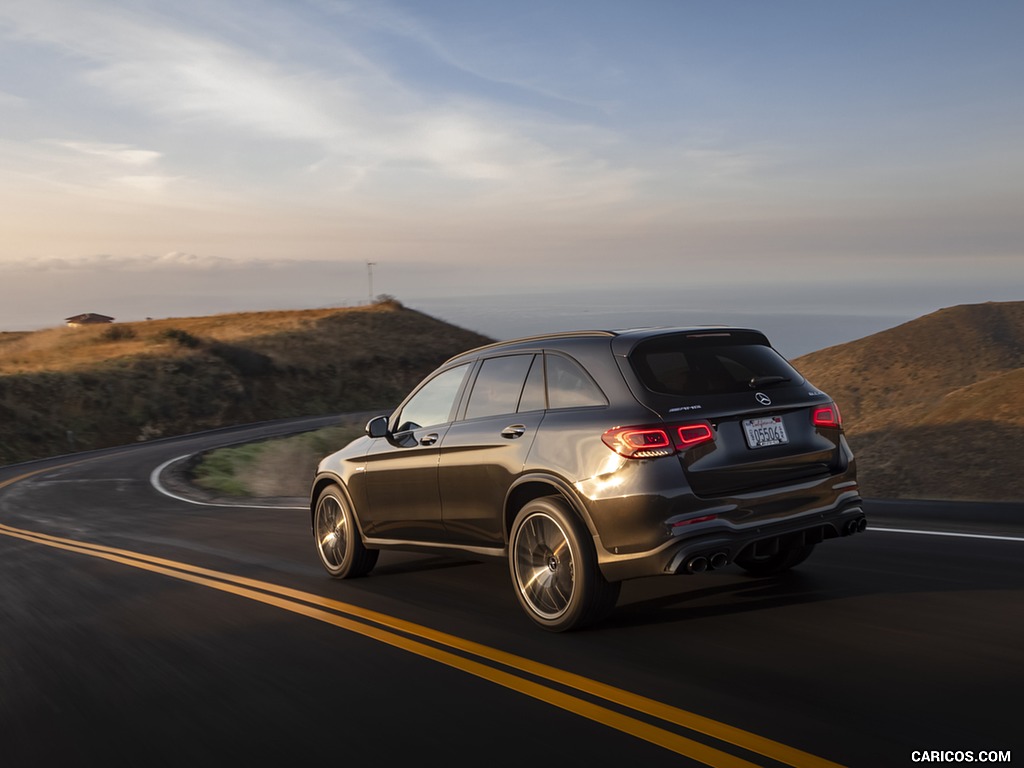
377,427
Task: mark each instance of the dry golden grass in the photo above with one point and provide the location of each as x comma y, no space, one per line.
934,408
999,398
69,389
66,348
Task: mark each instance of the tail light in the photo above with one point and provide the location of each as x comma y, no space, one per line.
639,442
694,434
652,442
827,416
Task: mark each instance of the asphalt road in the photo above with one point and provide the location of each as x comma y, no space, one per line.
141,629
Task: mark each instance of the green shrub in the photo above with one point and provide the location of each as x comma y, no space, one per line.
279,467
184,338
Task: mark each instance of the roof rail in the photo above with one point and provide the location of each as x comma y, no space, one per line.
541,337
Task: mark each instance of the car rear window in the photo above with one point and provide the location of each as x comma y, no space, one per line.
710,364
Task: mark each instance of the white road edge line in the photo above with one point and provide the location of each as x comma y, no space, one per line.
947,533
154,480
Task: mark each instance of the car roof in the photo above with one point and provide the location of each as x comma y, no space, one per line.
623,340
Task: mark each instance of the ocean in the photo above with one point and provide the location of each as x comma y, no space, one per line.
793,332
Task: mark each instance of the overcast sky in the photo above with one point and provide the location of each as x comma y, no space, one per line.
197,156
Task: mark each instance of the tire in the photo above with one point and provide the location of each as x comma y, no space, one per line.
554,568
336,536
778,563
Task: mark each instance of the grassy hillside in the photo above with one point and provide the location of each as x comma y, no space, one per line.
280,467
67,389
934,408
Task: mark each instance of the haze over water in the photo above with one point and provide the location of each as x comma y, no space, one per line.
793,334
797,319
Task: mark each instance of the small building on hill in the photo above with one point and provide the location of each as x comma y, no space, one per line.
88,318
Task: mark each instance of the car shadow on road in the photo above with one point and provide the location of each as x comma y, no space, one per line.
403,563
733,597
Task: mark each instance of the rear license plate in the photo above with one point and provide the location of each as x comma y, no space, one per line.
765,431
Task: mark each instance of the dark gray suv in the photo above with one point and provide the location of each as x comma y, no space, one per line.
593,457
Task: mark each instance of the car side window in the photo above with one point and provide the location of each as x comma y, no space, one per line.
534,398
498,386
569,386
434,401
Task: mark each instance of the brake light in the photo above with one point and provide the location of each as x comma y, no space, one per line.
638,442
695,434
652,442
827,416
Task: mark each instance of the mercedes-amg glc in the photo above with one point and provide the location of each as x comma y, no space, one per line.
589,458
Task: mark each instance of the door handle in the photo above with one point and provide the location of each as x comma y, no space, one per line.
514,431
429,439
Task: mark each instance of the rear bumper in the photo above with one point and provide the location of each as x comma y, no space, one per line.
718,542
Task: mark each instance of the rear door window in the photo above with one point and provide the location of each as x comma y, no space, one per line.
709,365
498,386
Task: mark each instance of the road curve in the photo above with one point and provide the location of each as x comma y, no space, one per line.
140,628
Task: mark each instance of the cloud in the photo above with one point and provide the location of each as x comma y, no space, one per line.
144,263
192,79
211,75
118,153
11,100
150,184
147,58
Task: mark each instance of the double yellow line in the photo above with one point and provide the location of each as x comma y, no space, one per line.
551,685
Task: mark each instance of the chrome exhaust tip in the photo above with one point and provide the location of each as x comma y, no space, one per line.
857,525
719,560
697,565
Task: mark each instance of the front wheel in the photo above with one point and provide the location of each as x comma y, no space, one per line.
781,561
554,568
337,538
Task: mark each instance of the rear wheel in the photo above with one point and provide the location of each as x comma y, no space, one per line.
554,568
337,538
781,561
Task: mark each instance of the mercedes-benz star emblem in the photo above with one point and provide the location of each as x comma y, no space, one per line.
763,399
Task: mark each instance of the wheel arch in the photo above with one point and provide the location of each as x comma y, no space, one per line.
320,483
537,485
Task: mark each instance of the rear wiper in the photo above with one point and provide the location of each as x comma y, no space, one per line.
767,381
